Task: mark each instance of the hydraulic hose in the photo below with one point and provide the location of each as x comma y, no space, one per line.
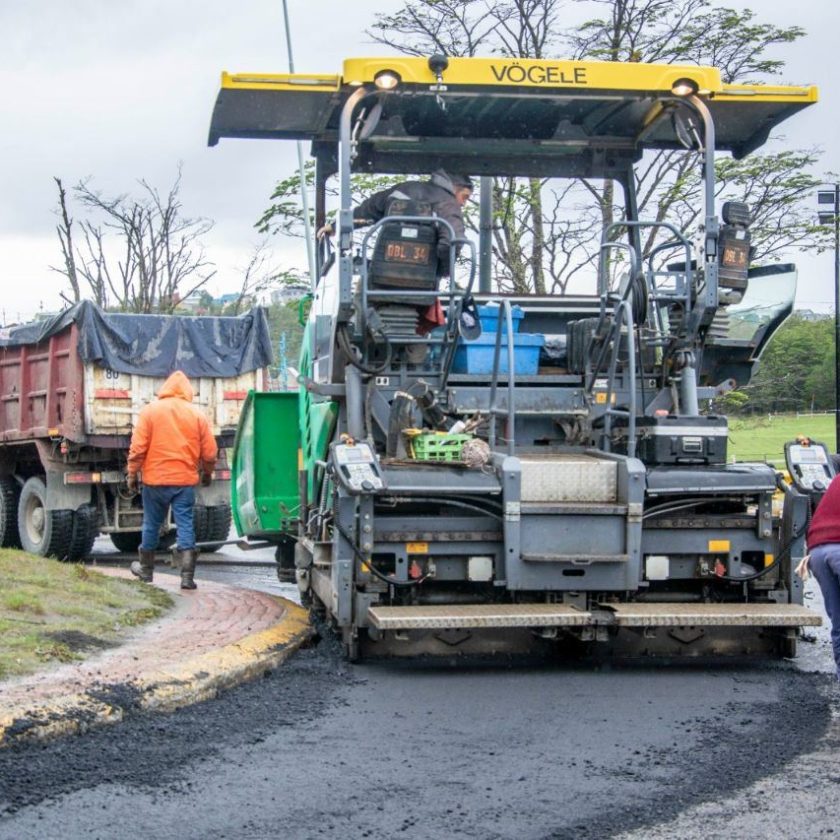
349,351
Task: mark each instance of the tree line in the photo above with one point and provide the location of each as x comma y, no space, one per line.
795,372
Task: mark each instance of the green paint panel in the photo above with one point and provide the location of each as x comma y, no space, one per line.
265,465
318,416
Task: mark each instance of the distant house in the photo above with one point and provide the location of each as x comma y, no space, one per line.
192,302
226,299
810,315
289,291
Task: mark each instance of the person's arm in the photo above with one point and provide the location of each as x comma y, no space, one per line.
209,450
140,439
372,209
451,211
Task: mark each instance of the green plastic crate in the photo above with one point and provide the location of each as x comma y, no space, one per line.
437,446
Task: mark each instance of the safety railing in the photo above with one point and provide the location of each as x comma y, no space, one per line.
510,411
456,296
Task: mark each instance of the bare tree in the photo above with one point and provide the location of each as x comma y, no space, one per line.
64,229
257,276
137,254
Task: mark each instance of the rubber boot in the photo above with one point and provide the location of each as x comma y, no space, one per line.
188,559
144,568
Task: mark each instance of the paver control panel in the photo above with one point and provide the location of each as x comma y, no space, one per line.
357,468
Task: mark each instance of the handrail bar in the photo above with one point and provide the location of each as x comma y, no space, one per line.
510,419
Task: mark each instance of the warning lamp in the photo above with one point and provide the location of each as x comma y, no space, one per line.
386,79
684,87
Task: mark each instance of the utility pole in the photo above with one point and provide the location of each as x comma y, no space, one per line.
307,224
833,197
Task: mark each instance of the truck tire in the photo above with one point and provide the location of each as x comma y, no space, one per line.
126,542
9,495
212,523
46,533
84,532
284,554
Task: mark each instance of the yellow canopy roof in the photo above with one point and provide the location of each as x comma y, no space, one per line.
501,115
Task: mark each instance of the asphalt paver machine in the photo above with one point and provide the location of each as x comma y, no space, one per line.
457,493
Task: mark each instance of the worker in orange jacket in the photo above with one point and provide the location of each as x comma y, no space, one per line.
172,449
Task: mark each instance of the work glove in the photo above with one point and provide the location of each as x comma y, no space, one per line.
206,478
804,567
131,482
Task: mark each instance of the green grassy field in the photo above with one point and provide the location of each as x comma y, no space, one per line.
763,438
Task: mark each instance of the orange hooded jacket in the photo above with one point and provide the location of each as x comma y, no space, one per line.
172,438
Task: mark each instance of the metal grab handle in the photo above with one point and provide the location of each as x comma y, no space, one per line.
510,427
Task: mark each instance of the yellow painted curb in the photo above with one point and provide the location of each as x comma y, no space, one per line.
188,682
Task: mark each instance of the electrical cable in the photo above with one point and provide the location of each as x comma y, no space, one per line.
732,578
453,503
783,553
673,508
369,563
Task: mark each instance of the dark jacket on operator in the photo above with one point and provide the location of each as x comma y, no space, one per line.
438,193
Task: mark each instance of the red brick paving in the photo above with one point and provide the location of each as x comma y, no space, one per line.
202,620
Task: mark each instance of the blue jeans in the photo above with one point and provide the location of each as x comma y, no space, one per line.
156,501
825,567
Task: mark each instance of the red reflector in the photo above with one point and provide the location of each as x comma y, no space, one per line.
111,394
224,475
235,395
82,478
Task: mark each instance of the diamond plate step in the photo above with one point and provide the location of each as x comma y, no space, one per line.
477,615
712,615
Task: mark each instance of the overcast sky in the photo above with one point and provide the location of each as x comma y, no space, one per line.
124,90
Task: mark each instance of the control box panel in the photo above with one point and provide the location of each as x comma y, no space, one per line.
810,466
356,467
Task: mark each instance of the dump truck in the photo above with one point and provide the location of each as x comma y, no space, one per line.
71,388
556,479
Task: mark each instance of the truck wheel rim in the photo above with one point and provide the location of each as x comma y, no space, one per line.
35,519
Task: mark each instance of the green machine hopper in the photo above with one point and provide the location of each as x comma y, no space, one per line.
266,499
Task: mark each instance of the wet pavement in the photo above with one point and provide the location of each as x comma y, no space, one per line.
321,749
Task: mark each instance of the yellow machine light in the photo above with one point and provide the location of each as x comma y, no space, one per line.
386,80
718,546
684,87
768,560
417,548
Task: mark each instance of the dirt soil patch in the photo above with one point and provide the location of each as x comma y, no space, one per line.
53,612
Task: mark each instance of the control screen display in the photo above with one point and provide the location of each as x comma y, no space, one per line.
415,253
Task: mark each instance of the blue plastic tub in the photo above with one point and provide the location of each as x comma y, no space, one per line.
476,357
489,317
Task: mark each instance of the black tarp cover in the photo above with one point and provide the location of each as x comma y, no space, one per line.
157,345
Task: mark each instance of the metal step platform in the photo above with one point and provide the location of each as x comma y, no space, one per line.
475,616
712,615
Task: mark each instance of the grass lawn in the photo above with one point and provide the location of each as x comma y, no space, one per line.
59,612
763,438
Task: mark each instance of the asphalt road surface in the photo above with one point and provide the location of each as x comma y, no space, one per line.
320,749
